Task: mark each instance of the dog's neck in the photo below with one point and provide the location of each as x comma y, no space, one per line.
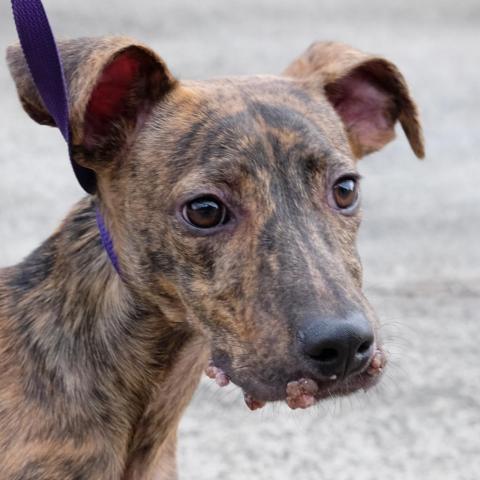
101,357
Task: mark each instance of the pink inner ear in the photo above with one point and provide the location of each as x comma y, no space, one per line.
109,98
366,110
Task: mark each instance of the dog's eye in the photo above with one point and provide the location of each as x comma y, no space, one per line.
205,212
345,192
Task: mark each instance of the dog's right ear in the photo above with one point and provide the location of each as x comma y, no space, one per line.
368,93
112,83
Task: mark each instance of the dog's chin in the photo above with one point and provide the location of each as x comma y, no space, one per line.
298,390
303,392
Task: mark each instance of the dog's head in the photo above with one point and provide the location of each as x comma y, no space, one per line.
234,203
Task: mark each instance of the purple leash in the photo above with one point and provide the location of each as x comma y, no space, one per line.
41,53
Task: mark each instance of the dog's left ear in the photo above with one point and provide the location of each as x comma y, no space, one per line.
113,82
369,94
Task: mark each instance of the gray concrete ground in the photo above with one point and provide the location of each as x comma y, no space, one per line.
420,238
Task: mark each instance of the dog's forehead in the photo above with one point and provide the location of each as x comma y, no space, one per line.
259,103
273,102
232,92
245,123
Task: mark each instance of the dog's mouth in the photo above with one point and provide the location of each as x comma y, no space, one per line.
303,391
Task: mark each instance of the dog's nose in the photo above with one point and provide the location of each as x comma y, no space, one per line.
339,347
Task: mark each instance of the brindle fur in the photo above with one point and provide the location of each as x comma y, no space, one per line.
96,370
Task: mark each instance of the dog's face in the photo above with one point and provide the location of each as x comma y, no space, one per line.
239,200
255,197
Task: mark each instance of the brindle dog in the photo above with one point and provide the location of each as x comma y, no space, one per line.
233,206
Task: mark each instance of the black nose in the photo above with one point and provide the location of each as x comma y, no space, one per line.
338,347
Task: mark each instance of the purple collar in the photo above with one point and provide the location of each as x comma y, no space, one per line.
41,53
107,241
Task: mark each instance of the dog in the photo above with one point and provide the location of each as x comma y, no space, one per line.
233,206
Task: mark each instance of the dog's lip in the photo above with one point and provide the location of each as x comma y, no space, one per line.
304,392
